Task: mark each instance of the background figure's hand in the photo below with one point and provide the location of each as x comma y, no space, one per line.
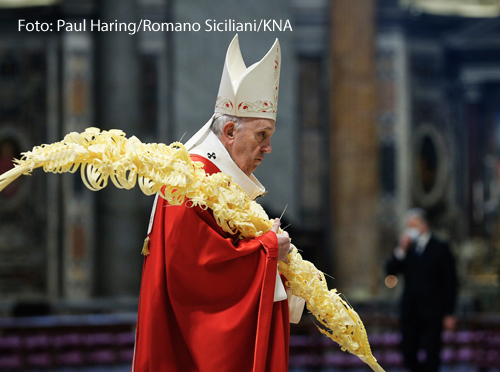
450,323
283,242
404,242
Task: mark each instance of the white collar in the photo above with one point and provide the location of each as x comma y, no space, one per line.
423,240
212,149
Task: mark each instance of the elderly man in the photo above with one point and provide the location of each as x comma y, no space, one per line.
430,291
211,301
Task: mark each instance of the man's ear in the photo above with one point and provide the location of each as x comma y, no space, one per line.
228,131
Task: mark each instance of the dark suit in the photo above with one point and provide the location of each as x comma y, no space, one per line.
429,295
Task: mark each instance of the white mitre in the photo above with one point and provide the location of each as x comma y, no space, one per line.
245,92
253,91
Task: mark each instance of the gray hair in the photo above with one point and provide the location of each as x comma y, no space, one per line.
218,123
418,213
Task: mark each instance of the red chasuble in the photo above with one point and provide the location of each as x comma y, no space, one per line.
206,301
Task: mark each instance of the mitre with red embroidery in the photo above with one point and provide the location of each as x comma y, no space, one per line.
252,91
245,92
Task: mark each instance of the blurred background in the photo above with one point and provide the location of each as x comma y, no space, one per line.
384,105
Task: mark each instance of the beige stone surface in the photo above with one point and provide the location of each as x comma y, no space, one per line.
354,147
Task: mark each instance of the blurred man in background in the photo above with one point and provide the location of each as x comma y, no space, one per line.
430,292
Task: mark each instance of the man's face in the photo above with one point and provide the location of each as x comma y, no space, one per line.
417,223
248,144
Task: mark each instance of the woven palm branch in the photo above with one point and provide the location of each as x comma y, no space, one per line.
108,155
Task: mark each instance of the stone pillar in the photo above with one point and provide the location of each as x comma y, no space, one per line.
122,226
354,148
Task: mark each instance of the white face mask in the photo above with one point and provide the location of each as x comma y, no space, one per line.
412,233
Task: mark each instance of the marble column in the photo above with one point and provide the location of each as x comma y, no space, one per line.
353,148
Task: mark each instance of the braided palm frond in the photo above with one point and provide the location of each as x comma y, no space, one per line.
343,325
108,155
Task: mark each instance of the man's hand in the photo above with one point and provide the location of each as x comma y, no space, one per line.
283,242
450,323
404,242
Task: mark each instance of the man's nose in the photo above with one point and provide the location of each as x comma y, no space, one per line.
266,148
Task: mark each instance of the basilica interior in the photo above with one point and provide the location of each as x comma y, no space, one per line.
384,107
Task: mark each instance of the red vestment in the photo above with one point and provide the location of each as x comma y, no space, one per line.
206,301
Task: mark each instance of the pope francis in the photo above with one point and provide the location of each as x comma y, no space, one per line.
210,301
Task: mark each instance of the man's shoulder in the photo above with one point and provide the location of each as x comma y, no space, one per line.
437,239
208,166
439,243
